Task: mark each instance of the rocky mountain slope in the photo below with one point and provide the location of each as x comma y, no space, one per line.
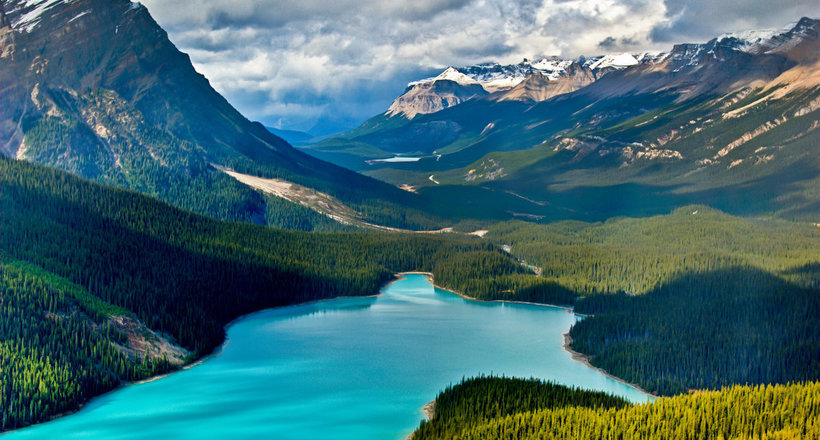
540,87
505,82
450,88
95,87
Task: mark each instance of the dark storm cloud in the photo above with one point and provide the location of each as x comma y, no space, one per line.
617,44
607,43
699,20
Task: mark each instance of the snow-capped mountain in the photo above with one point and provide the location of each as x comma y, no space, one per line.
507,82
722,48
495,77
446,90
540,87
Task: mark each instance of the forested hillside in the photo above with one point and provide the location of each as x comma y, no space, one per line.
635,255
737,325
498,408
77,254
690,300
57,346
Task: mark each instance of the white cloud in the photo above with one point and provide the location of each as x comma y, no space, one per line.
336,63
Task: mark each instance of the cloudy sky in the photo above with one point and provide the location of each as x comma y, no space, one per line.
325,66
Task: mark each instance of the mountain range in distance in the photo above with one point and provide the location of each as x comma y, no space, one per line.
536,81
97,88
732,122
104,125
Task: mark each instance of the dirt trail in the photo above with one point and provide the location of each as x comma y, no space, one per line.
318,201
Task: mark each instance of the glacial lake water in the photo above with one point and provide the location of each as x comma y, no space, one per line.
350,368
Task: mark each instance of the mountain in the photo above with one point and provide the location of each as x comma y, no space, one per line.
293,137
95,87
731,123
540,87
456,85
450,88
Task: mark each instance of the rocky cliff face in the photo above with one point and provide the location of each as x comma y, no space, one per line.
539,87
430,97
66,49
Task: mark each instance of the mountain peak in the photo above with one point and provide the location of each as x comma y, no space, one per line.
614,61
451,74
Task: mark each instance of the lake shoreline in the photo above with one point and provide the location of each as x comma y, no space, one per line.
198,361
576,356
584,359
428,410
429,276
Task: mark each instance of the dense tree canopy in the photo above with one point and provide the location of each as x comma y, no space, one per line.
498,408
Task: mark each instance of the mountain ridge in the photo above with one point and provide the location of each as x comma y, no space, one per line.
496,78
723,116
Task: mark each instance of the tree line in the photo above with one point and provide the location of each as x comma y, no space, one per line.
501,408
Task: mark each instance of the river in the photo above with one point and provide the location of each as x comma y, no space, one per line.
350,368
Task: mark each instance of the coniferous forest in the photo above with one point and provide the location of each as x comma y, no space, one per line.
75,254
690,300
500,408
738,325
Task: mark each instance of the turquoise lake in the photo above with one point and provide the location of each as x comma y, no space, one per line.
350,368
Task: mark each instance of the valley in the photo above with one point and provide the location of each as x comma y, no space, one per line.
155,241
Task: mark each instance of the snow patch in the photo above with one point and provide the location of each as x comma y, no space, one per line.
750,40
449,74
494,77
32,13
614,61
79,15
